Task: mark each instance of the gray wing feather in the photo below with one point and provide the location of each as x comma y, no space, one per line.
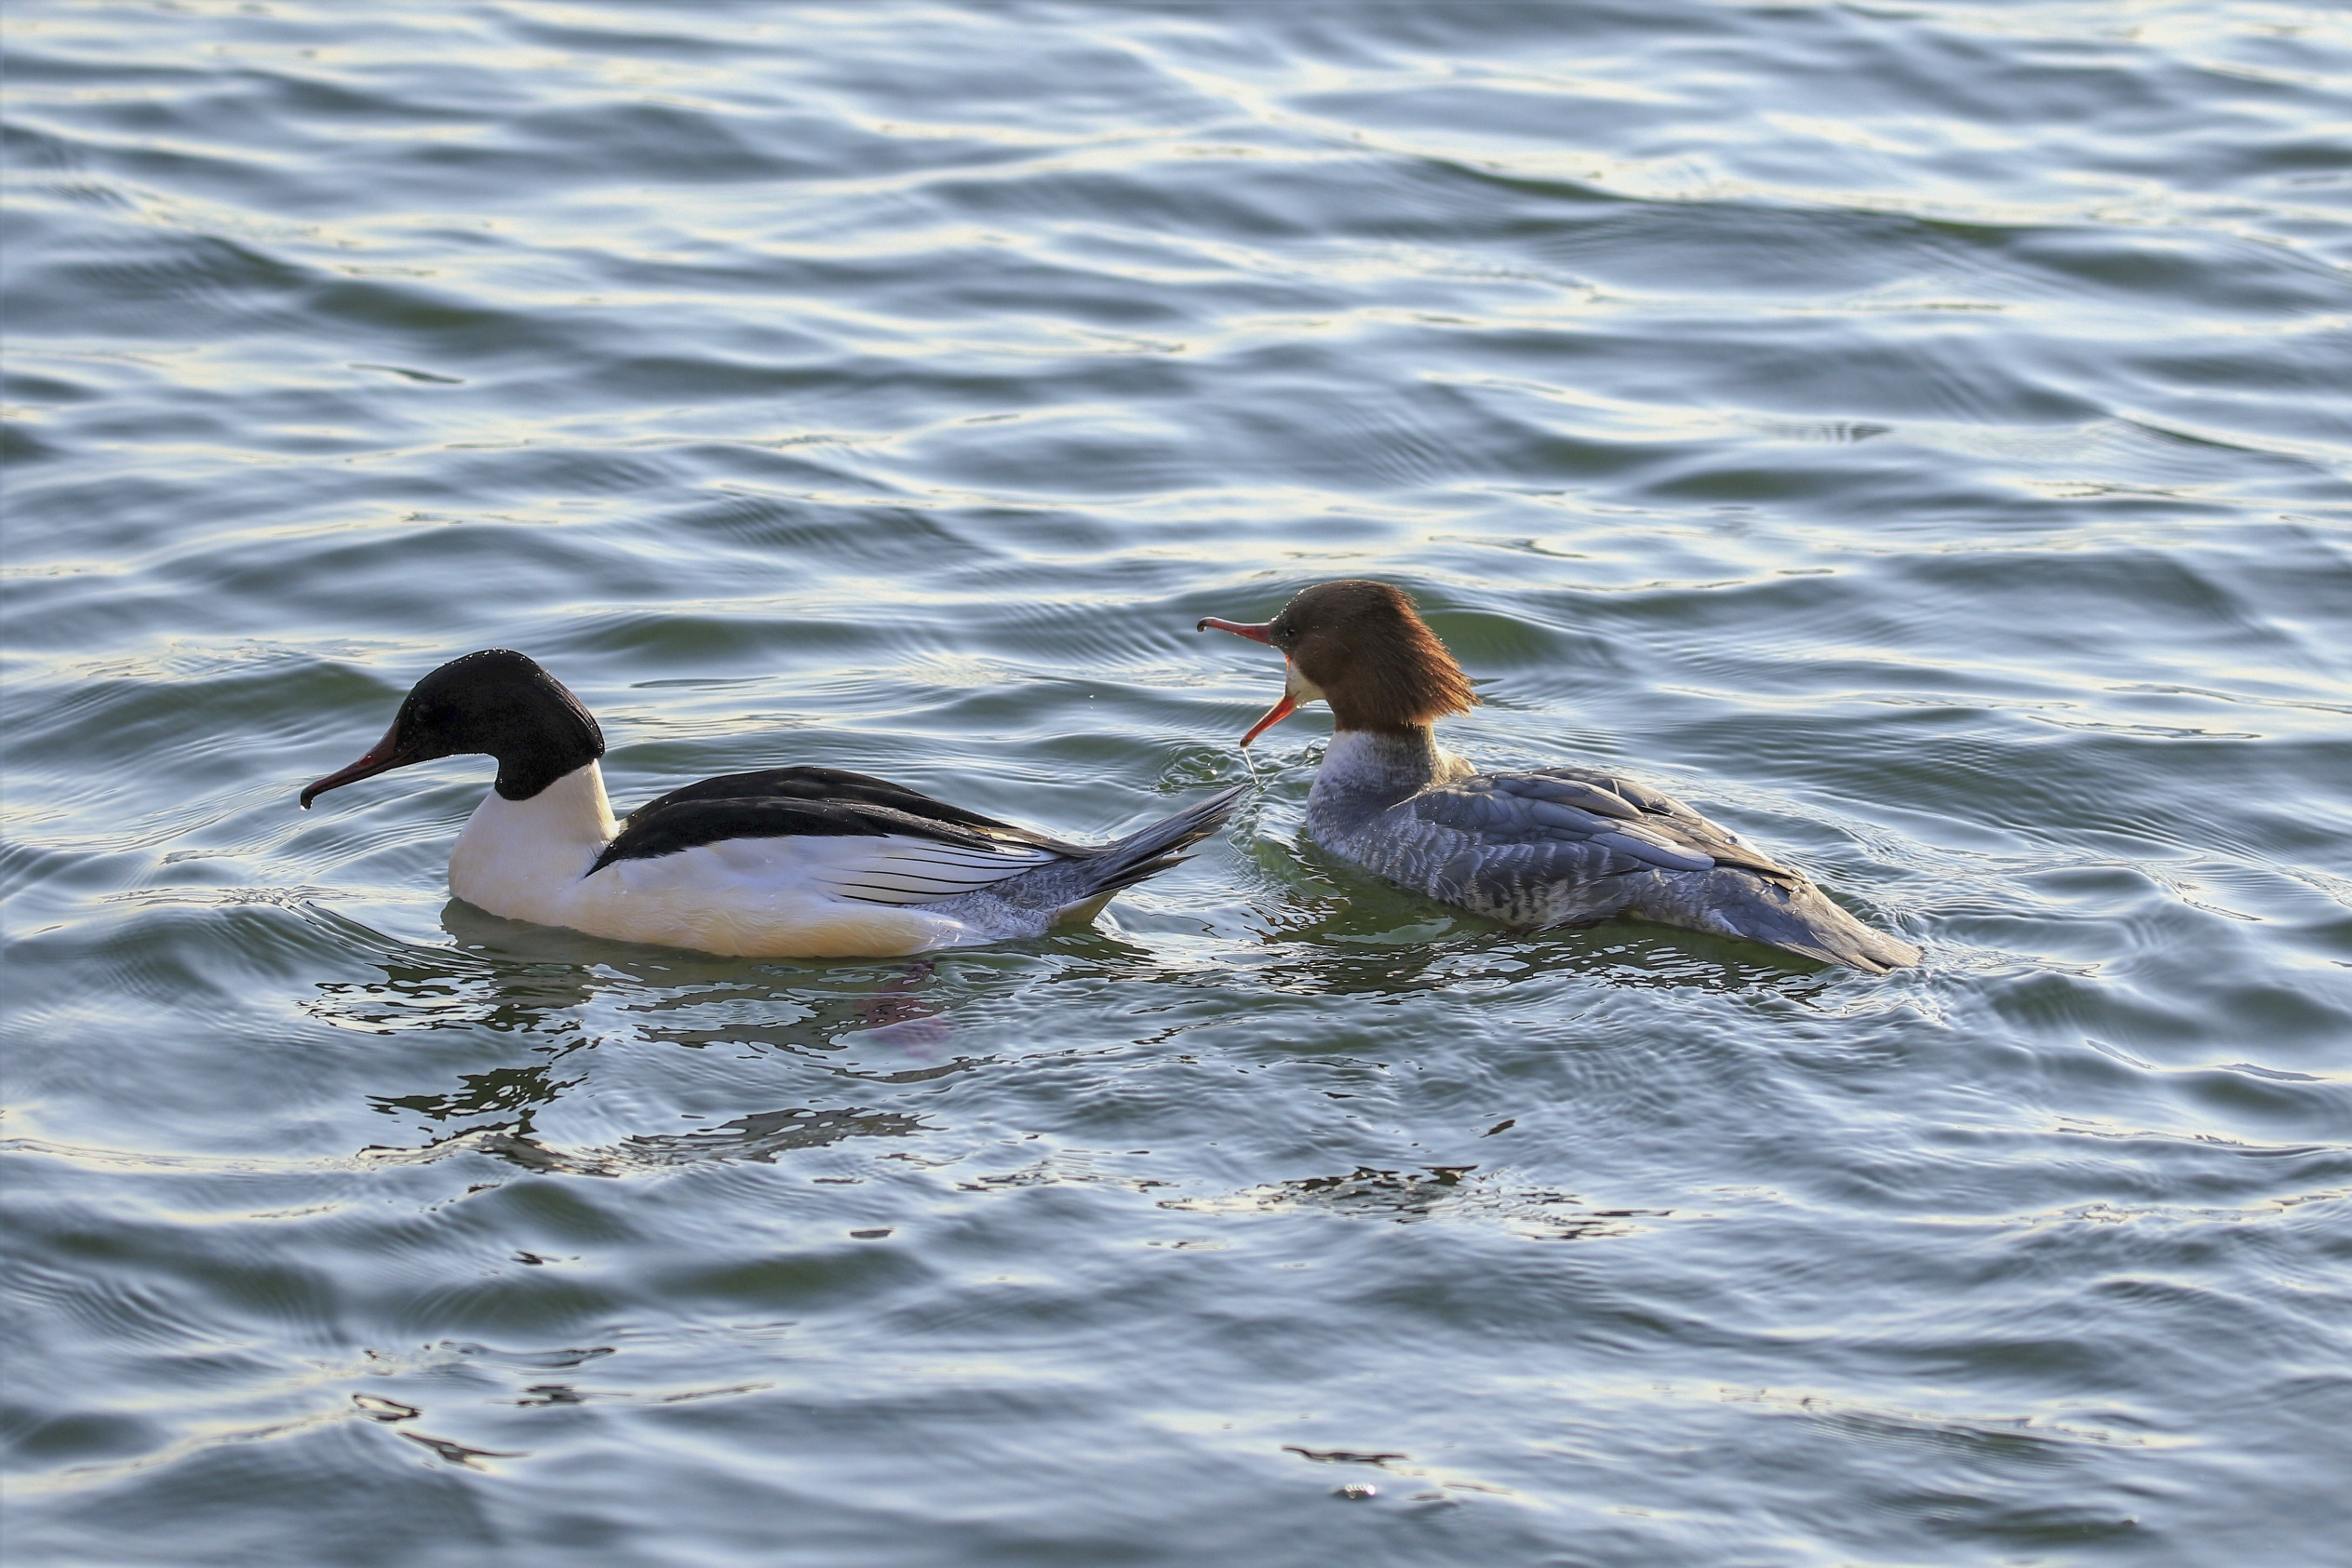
1482,807
1647,850
1576,789
1536,809
1663,822
915,871
1569,817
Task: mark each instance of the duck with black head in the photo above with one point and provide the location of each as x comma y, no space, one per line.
783,863
1562,845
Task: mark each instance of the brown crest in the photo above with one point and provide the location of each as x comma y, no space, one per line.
1380,665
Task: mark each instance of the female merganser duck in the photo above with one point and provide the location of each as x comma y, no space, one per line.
800,862
1547,847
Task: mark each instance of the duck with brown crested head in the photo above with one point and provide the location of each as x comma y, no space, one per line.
1562,845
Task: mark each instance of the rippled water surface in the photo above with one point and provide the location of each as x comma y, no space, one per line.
1921,436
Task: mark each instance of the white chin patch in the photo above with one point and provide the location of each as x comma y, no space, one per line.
1301,689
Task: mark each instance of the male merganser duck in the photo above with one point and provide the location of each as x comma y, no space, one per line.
801,862
1547,847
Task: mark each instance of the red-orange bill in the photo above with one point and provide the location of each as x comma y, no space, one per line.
1274,715
1263,632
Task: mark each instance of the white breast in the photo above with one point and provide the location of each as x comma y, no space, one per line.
523,859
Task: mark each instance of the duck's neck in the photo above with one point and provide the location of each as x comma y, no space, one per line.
515,854
1366,771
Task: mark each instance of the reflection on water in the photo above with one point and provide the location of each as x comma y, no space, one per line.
1447,1191
762,1136
511,1091
430,992
483,985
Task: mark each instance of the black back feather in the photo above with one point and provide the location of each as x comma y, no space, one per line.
814,802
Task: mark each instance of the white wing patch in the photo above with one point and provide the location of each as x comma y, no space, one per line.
908,870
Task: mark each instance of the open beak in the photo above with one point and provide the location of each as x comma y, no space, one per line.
1260,632
382,757
1275,715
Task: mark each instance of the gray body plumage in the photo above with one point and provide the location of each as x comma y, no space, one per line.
1568,846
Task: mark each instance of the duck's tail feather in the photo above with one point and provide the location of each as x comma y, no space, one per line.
1151,851
1077,888
1801,919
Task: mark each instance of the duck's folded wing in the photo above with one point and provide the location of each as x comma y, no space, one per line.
896,869
1606,826
843,847
1522,839
835,787
1627,809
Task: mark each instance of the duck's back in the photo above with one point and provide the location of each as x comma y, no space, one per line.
1544,847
